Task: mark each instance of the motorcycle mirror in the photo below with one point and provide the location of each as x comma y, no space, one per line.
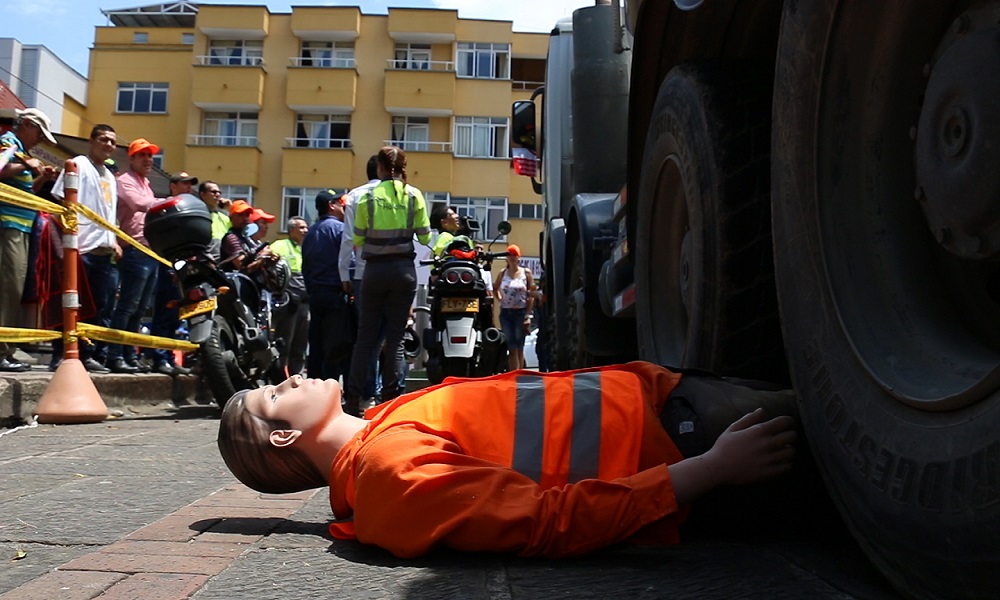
251,229
504,227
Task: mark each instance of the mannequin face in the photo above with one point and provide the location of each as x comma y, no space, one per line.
306,404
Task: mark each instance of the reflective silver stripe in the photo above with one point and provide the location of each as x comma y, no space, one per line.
402,234
585,448
529,427
371,250
409,210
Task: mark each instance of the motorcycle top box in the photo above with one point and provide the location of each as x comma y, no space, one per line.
179,227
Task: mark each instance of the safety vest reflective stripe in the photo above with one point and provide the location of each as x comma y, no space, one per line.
585,436
387,242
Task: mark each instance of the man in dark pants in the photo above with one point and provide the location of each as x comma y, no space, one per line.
330,340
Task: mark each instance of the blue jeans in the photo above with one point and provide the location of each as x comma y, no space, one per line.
138,277
326,308
512,325
165,320
102,277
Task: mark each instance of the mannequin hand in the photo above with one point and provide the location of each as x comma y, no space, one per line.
752,449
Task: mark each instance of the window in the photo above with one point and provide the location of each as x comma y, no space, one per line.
532,212
327,54
322,131
411,133
484,61
158,160
297,201
187,39
413,56
488,211
237,192
229,129
481,137
239,53
140,37
142,97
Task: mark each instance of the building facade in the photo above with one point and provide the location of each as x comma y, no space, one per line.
275,107
42,80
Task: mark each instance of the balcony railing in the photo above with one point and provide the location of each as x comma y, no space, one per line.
415,146
229,61
245,141
322,63
526,85
409,64
326,144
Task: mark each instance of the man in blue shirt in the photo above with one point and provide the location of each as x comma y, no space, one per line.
22,172
331,318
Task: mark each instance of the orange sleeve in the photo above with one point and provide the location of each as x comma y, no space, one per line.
415,491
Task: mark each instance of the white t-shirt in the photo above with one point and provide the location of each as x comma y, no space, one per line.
98,191
347,253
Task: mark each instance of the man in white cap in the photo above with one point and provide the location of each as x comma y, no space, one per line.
25,173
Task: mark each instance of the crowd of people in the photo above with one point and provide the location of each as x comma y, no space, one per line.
346,307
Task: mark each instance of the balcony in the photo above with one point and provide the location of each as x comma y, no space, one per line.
429,171
311,167
215,87
416,26
420,146
324,23
421,92
311,88
233,22
481,177
230,164
482,97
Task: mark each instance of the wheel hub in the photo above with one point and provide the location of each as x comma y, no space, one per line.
958,142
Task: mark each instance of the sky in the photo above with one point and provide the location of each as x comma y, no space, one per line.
66,27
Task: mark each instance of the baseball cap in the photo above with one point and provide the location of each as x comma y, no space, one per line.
239,207
38,118
183,177
142,145
260,214
514,249
331,196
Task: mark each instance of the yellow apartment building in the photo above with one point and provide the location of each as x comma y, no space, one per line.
275,107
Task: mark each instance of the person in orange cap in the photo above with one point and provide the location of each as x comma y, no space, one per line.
237,245
515,287
263,219
138,272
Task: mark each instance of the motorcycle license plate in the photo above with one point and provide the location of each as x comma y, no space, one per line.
459,305
196,309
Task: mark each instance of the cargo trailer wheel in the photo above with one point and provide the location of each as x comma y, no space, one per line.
704,275
886,227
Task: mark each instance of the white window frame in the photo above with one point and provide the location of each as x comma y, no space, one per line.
527,212
312,125
481,60
482,137
488,211
236,53
237,192
413,57
300,199
229,129
326,55
412,134
145,93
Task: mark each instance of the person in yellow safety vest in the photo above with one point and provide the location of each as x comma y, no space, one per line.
291,320
538,464
211,195
386,219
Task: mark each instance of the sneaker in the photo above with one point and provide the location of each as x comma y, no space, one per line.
94,367
13,366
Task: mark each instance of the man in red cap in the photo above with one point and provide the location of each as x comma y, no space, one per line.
137,270
263,219
236,245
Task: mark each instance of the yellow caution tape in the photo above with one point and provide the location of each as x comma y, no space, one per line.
12,195
87,212
15,335
114,336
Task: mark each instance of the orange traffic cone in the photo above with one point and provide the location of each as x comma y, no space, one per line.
71,397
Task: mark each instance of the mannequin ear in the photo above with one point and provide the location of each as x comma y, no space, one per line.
281,438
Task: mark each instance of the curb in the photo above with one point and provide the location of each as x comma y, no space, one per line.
19,392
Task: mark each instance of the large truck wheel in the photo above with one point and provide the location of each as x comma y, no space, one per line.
885,228
704,276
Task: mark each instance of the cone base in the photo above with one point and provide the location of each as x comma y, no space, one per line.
71,397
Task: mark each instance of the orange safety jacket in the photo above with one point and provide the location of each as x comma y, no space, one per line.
553,464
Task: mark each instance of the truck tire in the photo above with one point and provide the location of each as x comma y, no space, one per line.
704,276
892,333
576,336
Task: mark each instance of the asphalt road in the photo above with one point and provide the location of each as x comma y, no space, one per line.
144,508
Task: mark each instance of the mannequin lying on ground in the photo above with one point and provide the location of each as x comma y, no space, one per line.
540,464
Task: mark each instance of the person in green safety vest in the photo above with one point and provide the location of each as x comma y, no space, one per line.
291,320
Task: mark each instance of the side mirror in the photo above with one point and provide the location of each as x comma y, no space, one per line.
523,125
251,229
504,227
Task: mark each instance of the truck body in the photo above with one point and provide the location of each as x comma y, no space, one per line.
802,192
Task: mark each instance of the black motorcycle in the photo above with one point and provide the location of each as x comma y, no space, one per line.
228,312
461,340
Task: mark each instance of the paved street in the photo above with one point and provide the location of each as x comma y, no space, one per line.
143,507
